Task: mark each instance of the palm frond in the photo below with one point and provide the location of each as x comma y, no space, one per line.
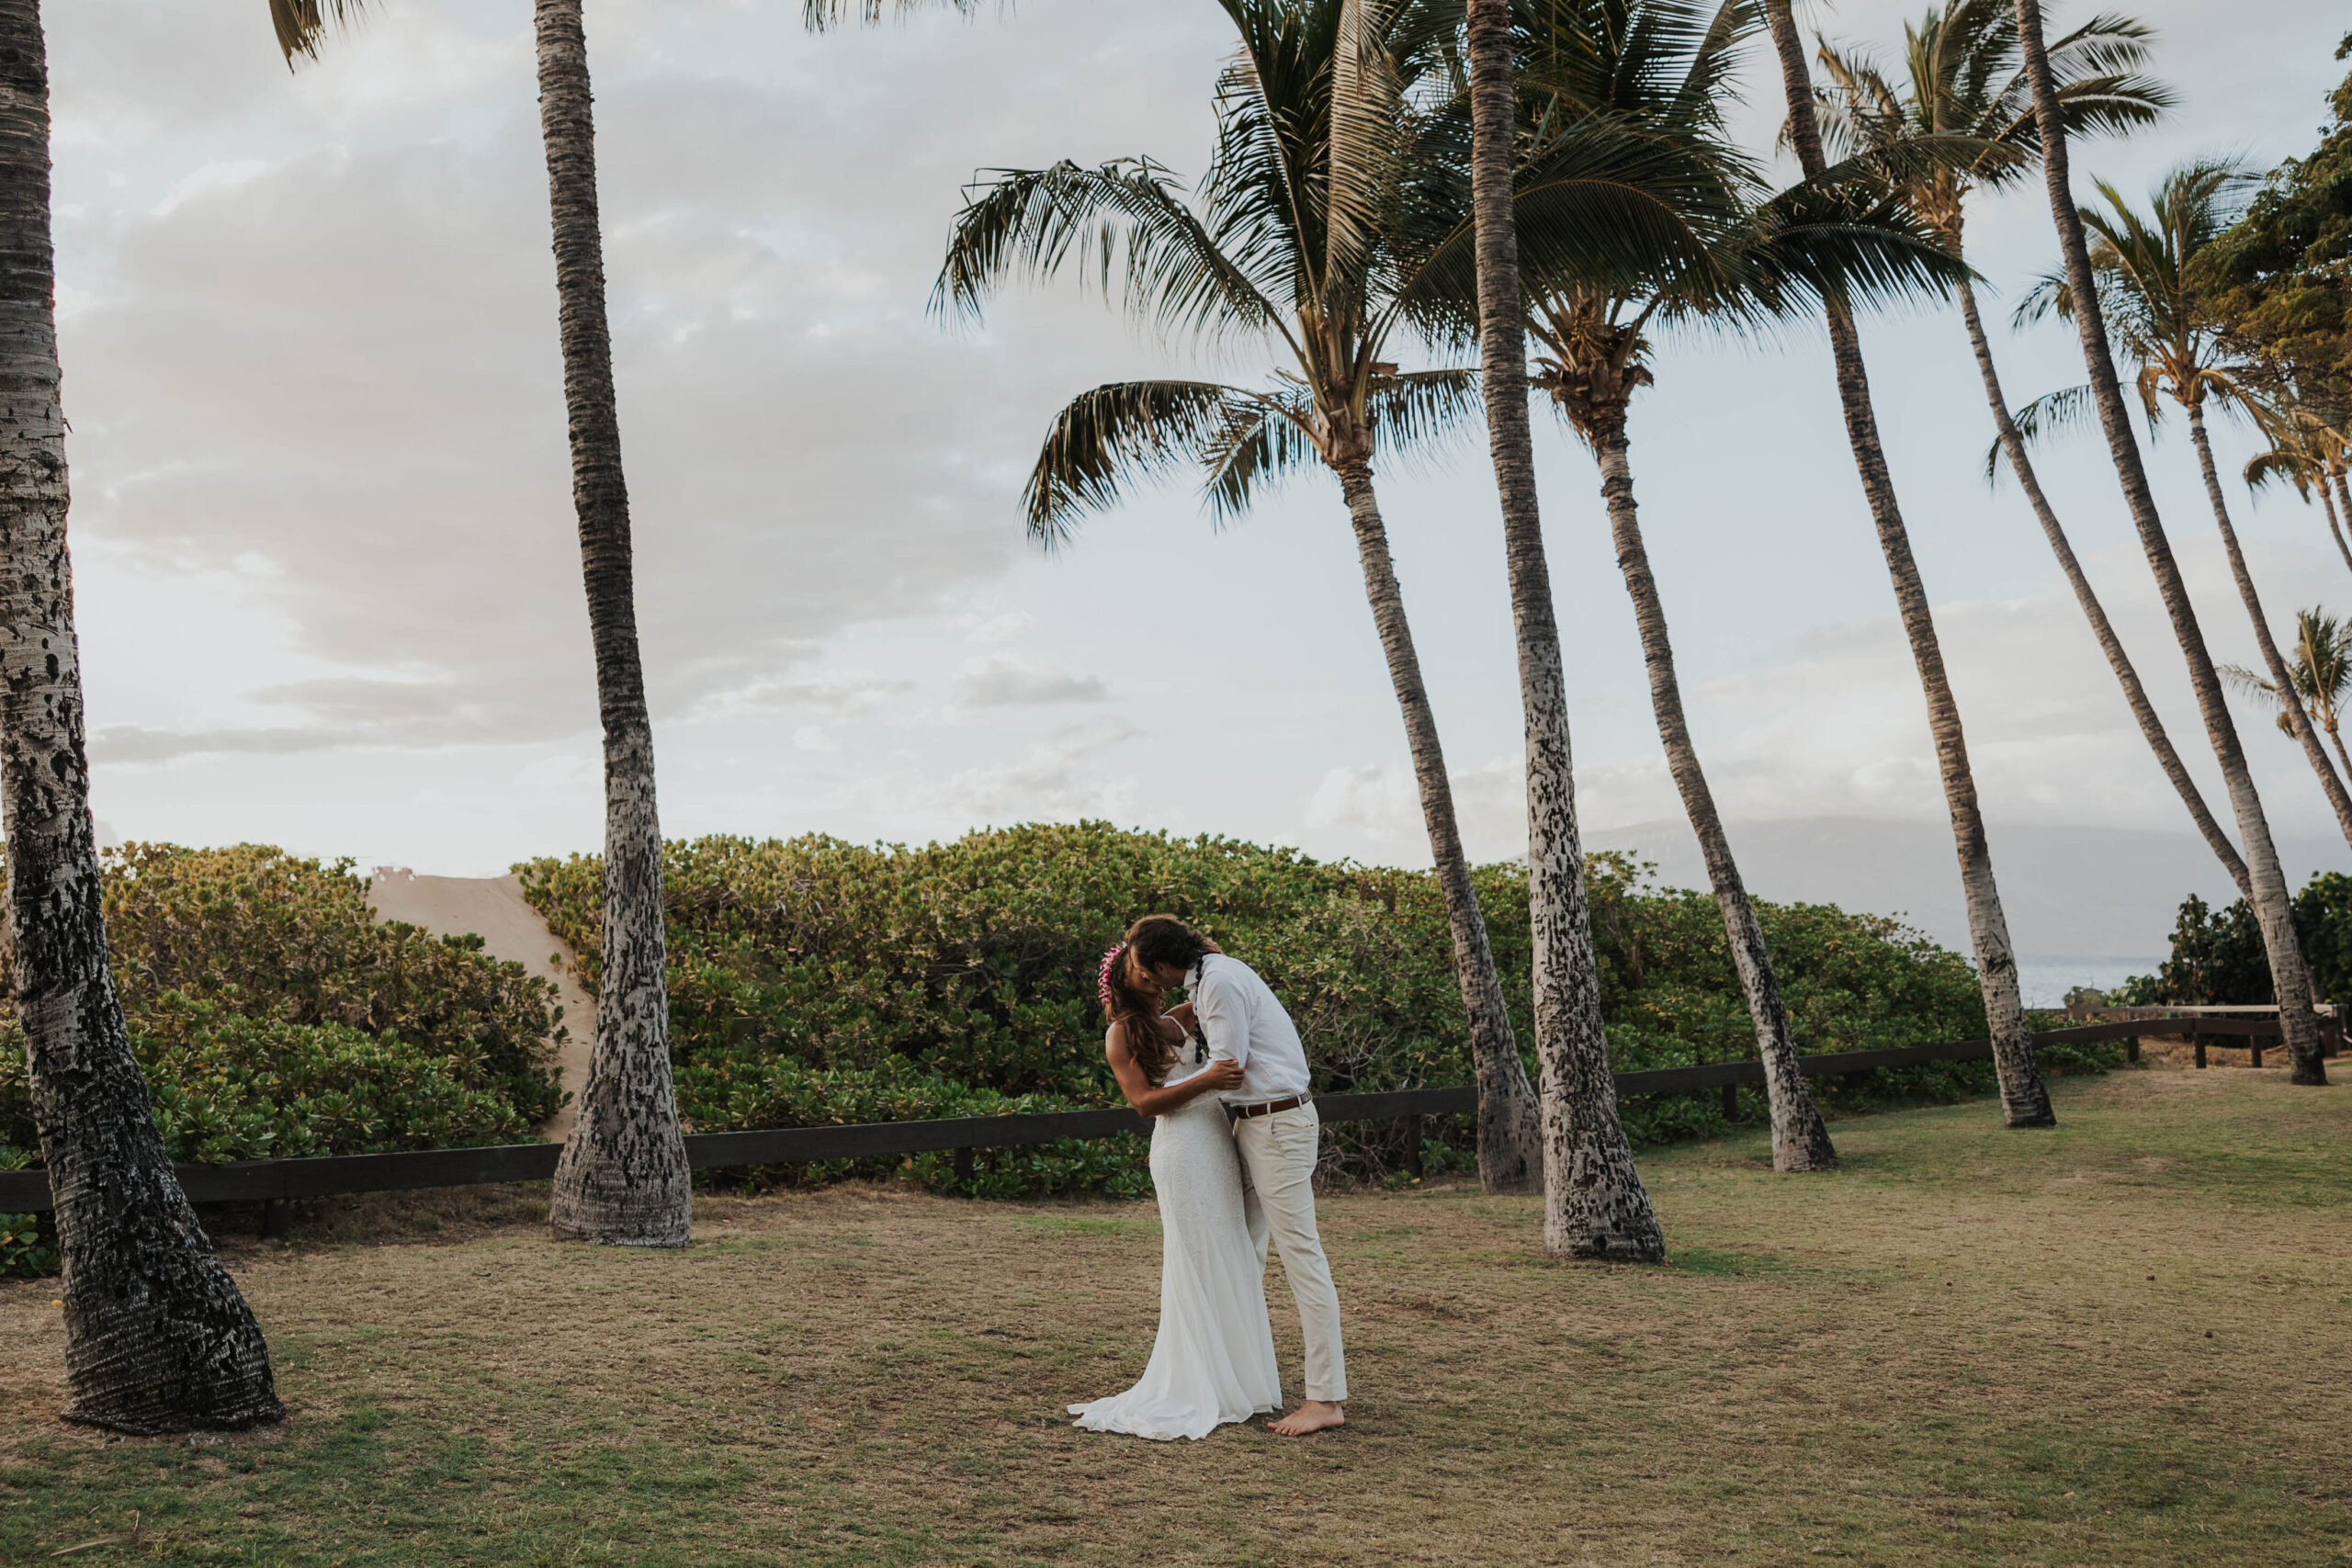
1108,438
2252,682
1265,439
1029,222
302,25
1412,415
819,14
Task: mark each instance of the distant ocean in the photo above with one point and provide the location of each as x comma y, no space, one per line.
2046,981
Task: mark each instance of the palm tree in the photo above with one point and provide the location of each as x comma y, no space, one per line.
1581,1131
2025,1102
157,1337
622,1179
2144,266
2308,454
1333,217
1321,232
1663,65
1961,78
2322,672
2268,898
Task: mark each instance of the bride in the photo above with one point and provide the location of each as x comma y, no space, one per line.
1214,1361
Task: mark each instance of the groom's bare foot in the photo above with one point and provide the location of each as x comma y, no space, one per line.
1314,1416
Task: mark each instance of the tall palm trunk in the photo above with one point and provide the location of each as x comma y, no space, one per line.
1510,1151
1800,1137
2150,726
157,1338
2290,702
2291,979
2335,527
1583,1138
2025,1102
622,1179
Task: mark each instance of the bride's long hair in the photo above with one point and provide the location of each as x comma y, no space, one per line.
1136,1012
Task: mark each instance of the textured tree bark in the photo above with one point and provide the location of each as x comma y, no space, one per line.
1595,1204
2290,977
2334,528
1556,907
157,1337
2291,701
622,1179
2025,1102
2151,727
1509,1150
1800,1137
2343,488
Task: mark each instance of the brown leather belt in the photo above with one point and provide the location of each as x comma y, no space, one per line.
1243,1112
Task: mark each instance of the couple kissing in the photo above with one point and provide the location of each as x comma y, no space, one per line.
1234,1142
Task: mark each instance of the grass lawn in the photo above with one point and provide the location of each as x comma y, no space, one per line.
2123,1342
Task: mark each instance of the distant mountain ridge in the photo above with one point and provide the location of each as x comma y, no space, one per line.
2070,893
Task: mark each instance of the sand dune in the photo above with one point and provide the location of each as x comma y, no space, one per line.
492,908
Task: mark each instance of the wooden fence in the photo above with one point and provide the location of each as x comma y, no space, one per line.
274,1182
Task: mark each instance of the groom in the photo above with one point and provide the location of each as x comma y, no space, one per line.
1275,1127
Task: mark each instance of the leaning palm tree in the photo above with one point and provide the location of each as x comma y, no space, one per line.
2321,669
1580,1095
1664,66
157,1337
1961,76
1311,229
622,1179
2146,268
1332,219
2025,1101
2269,899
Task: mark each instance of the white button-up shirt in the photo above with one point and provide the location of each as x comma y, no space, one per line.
1243,1022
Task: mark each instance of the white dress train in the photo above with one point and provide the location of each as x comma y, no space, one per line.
1214,1361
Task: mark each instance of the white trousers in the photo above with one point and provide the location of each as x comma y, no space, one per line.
1278,1154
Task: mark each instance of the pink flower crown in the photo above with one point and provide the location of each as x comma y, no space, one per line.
1102,977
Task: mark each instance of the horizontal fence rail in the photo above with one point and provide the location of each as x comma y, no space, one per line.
276,1180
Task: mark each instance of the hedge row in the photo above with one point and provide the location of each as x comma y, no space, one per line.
816,981
273,1016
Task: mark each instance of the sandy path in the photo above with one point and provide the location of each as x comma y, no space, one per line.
492,908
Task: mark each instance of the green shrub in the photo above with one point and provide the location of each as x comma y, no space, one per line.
816,981
2218,958
272,1016
28,1251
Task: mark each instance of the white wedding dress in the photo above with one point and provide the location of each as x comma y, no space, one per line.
1214,1361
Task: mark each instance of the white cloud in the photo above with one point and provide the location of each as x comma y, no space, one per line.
1007,680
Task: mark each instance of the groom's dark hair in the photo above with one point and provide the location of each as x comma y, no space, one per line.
1163,939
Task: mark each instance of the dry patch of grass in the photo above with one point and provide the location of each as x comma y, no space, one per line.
1970,1346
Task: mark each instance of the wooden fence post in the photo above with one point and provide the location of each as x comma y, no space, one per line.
277,1217
1731,1102
963,1165
2197,1041
1413,1147
2130,1047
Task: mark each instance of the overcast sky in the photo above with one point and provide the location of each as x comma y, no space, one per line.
329,586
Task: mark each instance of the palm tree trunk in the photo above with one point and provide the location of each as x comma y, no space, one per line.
1510,1149
2291,979
622,1179
2025,1102
157,1337
1800,1137
2334,528
2151,727
2290,702
2340,509
1570,1045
